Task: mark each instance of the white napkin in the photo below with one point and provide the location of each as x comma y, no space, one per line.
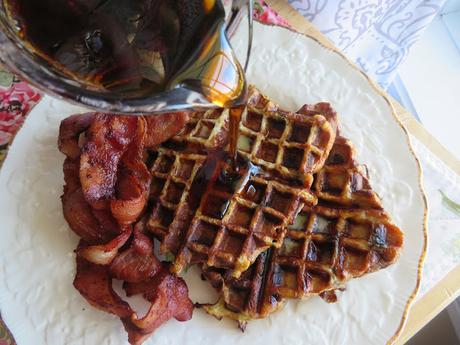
375,34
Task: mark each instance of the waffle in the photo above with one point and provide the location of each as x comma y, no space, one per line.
346,235
247,297
293,145
344,183
205,212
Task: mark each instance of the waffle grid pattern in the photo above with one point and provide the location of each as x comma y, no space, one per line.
323,249
247,297
342,182
205,131
347,235
326,247
171,178
230,228
295,146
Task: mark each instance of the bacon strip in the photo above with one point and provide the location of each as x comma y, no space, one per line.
107,221
95,285
133,181
69,133
106,190
81,220
168,294
108,139
105,253
71,175
95,227
163,127
137,263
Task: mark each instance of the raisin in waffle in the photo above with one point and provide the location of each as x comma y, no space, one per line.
345,236
206,212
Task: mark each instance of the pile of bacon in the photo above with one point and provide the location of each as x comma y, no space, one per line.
106,190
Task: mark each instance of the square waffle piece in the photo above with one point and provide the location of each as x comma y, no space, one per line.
346,235
203,211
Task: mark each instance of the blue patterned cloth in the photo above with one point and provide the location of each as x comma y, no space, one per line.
375,34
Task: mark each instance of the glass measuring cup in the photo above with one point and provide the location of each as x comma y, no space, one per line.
202,81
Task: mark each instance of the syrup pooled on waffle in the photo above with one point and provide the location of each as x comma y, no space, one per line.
205,211
346,235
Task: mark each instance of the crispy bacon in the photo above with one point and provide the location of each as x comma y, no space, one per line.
167,293
95,284
69,133
112,171
106,190
81,219
71,175
95,227
137,263
169,296
133,181
131,200
107,221
164,280
108,138
162,127
104,254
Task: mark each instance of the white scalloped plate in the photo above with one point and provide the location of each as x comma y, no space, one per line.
40,305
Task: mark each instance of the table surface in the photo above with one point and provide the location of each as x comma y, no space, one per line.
448,288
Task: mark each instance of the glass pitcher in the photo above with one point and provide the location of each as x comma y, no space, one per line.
133,71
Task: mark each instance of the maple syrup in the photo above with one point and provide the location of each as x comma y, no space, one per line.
234,124
137,48
219,171
134,48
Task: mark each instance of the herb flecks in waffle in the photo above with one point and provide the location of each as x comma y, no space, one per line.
205,212
346,235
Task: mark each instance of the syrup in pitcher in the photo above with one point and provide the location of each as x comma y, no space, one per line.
137,48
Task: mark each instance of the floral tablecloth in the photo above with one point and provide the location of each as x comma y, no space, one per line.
17,98
442,185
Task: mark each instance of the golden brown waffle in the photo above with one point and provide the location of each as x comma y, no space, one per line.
345,236
204,212
247,297
293,145
344,183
